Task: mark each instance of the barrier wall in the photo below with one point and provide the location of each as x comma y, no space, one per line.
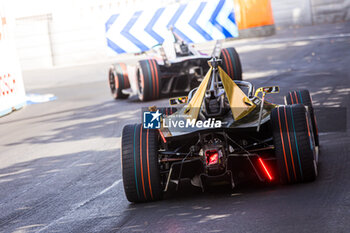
324,12
193,22
292,12
12,94
73,32
309,12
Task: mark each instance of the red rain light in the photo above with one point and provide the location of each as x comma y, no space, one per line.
212,157
266,171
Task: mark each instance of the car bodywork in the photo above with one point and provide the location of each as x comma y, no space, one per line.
226,132
237,137
170,69
243,143
179,74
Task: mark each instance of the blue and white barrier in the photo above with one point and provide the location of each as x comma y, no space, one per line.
12,94
195,22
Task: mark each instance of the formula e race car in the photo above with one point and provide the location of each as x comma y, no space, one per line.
224,133
173,68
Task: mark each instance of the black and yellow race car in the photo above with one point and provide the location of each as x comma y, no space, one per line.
225,132
172,69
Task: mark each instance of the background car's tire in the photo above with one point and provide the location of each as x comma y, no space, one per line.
304,97
118,80
231,63
139,155
149,80
294,144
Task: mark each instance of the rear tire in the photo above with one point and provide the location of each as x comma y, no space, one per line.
304,97
294,144
139,155
118,80
149,82
231,63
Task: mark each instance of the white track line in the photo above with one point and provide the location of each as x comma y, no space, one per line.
81,204
97,195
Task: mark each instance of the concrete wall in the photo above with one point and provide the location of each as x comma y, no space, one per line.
291,12
78,41
62,38
33,41
307,12
328,11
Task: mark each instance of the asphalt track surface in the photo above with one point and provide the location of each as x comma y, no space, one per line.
60,165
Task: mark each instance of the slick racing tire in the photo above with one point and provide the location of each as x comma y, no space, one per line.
140,168
294,144
149,82
118,80
231,63
304,97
